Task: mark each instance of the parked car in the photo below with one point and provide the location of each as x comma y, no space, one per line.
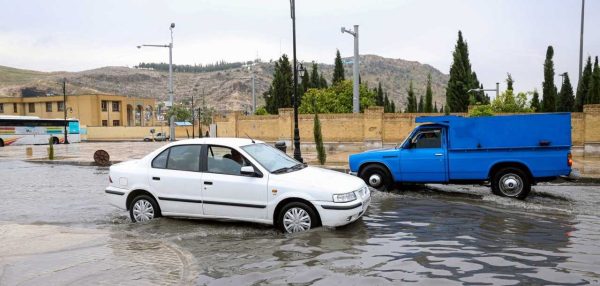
238,179
510,152
160,136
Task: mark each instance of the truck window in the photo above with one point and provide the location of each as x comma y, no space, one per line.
428,139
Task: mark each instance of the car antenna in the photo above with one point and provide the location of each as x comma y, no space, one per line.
249,138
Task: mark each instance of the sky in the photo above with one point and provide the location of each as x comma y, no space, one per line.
503,36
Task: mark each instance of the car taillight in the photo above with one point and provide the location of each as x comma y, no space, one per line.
570,160
109,179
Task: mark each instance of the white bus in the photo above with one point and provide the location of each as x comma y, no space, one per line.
27,130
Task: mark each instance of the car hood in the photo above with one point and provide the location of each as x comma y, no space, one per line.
319,179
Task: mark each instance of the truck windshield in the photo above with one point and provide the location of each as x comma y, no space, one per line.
272,159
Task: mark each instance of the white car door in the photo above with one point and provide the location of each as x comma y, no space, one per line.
176,179
228,193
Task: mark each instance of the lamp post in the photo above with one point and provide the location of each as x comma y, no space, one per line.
497,90
581,40
297,153
355,74
170,46
65,108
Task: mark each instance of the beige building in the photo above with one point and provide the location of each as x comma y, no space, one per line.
90,109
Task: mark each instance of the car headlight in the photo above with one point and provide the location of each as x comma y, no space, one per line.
344,198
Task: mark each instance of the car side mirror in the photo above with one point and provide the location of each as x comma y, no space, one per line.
247,171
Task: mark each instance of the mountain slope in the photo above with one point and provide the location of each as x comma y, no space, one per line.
224,90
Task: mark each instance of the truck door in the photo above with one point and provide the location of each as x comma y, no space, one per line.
423,158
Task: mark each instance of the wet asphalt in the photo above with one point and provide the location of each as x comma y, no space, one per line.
57,228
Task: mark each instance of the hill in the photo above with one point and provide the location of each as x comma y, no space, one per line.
224,90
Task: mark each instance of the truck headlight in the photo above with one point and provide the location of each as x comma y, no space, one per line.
344,198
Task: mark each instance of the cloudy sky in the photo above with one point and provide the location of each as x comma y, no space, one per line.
503,36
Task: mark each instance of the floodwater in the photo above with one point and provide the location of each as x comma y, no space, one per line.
57,228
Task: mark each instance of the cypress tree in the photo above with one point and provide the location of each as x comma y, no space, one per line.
386,103
280,92
535,101
321,155
379,98
411,100
446,109
420,105
462,78
594,94
428,96
566,101
338,70
583,86
315,80
322,82
509,82
548,87
435,110
393,107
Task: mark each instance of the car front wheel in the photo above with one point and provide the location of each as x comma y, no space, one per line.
296,217
376,177
143,208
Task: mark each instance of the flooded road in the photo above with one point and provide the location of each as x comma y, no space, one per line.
56,227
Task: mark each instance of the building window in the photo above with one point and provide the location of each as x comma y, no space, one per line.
60,105
15,108
1,107
104,105
115,106
31,107
48,106
104,123
116,123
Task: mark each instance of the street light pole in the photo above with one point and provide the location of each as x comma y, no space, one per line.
356,76
65,108
581,40
497,90
170,87
297,153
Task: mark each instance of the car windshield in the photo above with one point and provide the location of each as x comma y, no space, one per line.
272,159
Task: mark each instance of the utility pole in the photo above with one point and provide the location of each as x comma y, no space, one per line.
65,108
193,121
170,87
356,75
297,153
253,93
581,41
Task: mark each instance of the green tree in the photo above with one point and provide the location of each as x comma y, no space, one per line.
393,106
435,110
566,101
280,92
428,96
315,79
335,99
322,82
420,106
462,78
481,110
379,98
445,109
411,99
535,101
506,102
386,103
548,87
338,70
261,111
594,95
181,112
321,155
583,86
509,81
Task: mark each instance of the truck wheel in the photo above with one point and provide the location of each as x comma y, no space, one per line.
511,182
377,177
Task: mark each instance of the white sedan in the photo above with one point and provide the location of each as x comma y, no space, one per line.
239,179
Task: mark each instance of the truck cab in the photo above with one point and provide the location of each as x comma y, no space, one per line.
511,152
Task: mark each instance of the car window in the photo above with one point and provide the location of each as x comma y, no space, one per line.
160,161
429,139
224,160
184,158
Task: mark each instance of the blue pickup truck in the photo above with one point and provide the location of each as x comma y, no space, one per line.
511,152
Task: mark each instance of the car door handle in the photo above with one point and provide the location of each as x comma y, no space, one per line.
207,183
438,154
156,178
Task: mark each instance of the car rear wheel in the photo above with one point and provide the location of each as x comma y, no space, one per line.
143,208
511,182
297,217
376,177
